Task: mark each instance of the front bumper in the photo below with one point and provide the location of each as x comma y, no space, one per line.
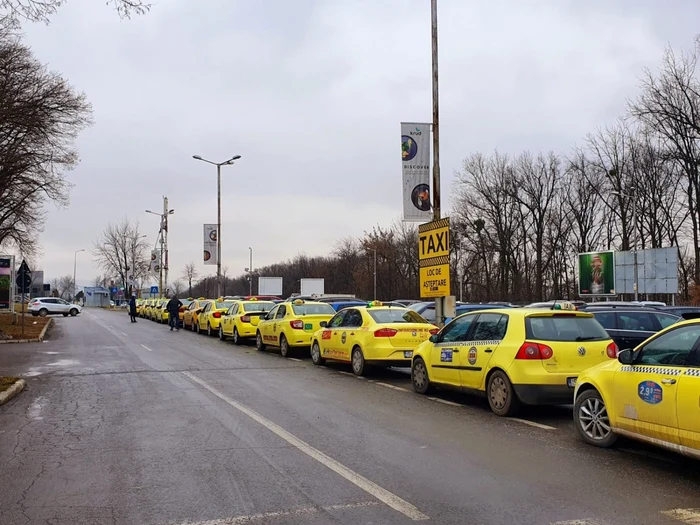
545,394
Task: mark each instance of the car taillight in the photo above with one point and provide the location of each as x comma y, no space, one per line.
217,315
182,309
297,324
613,350
434,331
245,318
534,351
386,332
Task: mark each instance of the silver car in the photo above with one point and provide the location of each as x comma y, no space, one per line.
44,306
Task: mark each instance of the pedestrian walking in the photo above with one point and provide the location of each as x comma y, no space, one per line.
173,306
132,308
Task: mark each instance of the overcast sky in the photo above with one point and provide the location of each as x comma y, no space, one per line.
311,93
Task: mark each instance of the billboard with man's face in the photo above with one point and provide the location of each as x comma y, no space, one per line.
596,273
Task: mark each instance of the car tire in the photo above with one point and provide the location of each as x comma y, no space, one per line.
259,342
192,326
222,337
65,315
209,332
501,395
358,362
236,337
316,354
419,377
43,312
73,312
285,351
196,328
591,420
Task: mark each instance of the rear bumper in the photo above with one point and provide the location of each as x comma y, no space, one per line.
545,394
406,363
246,331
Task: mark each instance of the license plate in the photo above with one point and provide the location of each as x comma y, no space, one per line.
308,326
408,353
571,382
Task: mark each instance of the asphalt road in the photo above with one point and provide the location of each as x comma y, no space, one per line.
133,424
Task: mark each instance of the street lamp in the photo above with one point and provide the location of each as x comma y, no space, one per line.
218,212
75,265
250,284
375,272
163,232
635,226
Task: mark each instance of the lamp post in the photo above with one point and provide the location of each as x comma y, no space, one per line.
375,272
75,266
218,212
439,310
163,234
635,226
250,283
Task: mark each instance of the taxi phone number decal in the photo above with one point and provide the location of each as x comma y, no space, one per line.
650,392
446,355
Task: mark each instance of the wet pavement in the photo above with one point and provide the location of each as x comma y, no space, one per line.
126,423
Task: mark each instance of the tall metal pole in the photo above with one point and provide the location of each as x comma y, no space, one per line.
375,274
218,230
160,267
75,265
166,212
250,272
436,139
636,235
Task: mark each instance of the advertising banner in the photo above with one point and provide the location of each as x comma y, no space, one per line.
7,267
596,273
415,171
210,233
155,261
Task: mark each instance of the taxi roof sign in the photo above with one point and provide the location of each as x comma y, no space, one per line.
372,304
297,302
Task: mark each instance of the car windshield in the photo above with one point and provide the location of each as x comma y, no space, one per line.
395,315
224,306
258,307
570,328
311,309
185,302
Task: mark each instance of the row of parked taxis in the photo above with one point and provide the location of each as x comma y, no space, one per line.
513,356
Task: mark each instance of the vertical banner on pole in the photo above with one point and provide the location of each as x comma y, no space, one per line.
155,261
415,171
210,234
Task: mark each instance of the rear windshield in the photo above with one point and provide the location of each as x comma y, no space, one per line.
225,305
258,307
311,309
185,302
395,315
564,328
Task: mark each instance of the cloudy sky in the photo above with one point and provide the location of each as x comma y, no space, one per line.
311,94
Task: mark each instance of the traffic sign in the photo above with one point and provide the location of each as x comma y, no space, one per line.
24,278
114,290
434,258
154,289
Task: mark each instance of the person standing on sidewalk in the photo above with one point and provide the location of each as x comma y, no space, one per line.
174,305
132,308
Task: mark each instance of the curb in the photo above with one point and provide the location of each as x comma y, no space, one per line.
12,391
37,340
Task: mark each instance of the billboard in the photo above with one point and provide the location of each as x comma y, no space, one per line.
657,271
415,171
210,235
596,273
270,286
7,283
312,286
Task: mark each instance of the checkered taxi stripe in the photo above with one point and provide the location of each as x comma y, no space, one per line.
693,372
652,370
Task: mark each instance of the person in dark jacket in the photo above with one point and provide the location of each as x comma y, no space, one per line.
174,305
132,308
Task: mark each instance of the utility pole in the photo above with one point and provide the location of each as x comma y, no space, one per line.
250,273
375,272
636,239
164,226
440,318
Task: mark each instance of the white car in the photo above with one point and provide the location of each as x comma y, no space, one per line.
44,306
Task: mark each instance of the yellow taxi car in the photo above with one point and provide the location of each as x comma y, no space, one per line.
242,319
183,308
372,334
514,355
144,310
139,306
210,317
648,394
291,325
155,309
163,315
190,317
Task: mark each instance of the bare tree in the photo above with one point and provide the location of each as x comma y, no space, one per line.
40,118
122,251
62,287
13,12
177,287
190,274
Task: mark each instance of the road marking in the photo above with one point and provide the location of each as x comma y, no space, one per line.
445,401
691,516
345,373
147,348
531,423
383,495
387,385
125,335
577,522
281,513
294,359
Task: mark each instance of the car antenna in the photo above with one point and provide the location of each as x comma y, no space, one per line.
554,304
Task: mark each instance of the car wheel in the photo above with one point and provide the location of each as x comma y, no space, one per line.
43,312
65,315
73,312
236,337
196,328
284,346
419,377
316,354
209,332
591,420
501,395
259,342
192,326
358,361
222,337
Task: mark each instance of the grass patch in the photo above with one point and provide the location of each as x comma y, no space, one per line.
32,326
7,382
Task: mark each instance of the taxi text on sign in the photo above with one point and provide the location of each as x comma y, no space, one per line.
434,258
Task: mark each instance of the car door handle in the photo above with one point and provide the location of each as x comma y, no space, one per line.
455,349
488,351
668,381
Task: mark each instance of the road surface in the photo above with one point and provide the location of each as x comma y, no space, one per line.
133,424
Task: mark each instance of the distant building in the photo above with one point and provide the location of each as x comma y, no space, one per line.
96,296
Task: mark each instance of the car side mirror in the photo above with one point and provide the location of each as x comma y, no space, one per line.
323,324
626,357
433,338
